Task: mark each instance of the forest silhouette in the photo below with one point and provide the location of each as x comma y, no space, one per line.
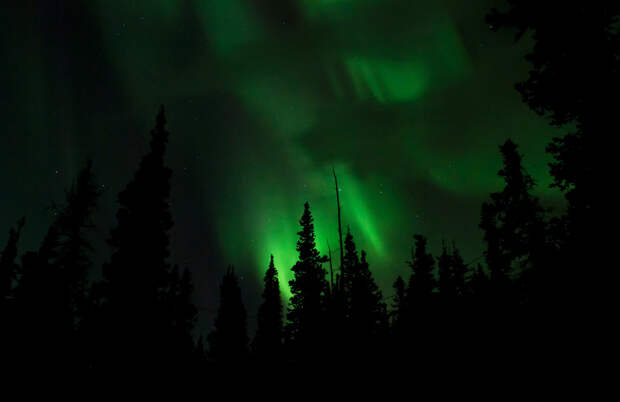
519,303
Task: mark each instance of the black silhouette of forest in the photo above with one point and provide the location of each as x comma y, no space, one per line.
539,282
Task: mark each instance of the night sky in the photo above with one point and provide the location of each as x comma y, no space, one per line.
408,100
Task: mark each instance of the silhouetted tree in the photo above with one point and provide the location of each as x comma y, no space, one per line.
580,39
74,248
350,265
138,281
479,302
41,307
399,307
340,304
420,300
444,269
8,265
515,235
574,81
478,283
307,310
570,40
267,343
53,292
399,320
361,319
228,342
459,271
513,225
452,271
9,274
367,311
422,281
452,323
182,316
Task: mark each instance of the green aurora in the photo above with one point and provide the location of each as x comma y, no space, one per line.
408,101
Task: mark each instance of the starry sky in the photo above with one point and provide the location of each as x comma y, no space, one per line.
407,100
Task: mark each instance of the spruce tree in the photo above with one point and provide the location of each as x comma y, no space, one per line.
8,266
267,343
74,249
228,342
181,315
454,309
68,271
444,268
574,39
481,315
350,265
339,301
516,251
40,303
399,319
340,304
421,300
452,271
478,284
398,304
53,292
9,274
367,311
459,272
513,225
309,287
422,280
136,280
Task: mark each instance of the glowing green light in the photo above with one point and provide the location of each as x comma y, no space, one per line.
387,81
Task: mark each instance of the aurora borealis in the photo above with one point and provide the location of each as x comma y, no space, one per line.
407,100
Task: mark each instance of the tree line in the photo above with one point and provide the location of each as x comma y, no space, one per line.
540,275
